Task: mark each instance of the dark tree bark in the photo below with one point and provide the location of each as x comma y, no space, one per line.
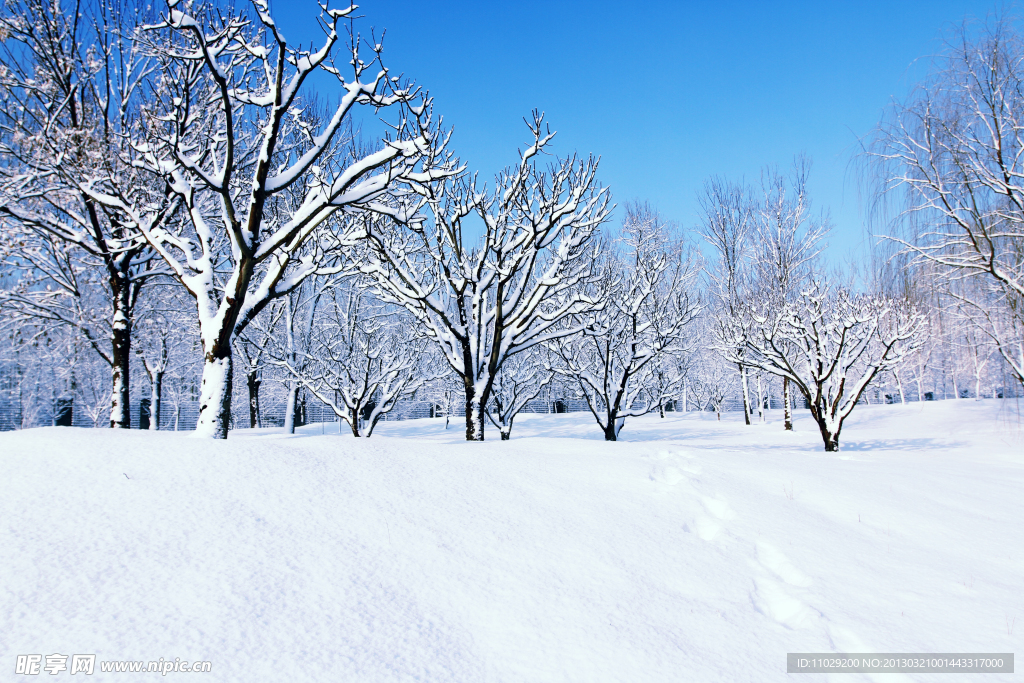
786,405
253,382
156,404
121,338
609,432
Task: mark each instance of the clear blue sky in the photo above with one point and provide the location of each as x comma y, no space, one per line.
668,93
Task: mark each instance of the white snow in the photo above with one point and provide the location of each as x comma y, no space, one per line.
692,550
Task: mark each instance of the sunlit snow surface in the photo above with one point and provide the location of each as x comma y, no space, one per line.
694,550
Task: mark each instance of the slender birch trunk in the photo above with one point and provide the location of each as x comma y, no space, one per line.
156,402
289,409
787,405
760,400
746,394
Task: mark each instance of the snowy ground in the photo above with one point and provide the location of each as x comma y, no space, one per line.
695,550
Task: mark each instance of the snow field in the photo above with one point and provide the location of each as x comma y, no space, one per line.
694,550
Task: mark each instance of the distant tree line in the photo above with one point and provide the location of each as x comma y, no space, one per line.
180,207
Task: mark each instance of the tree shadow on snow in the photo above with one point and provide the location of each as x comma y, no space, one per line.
901,445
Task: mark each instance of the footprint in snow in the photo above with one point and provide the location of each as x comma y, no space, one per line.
708,521
772,599
706,527
772,559
774,595
670,470
718,508
691,467
669,475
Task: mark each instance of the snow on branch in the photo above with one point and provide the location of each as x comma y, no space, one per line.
483,301
831,344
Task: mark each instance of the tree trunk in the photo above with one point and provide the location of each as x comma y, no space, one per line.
253,381
289,408
610,434
760,399
121,338
215,396
474,418
156,402
787,405
301,416
615,425
504,435
746,394
831,440
354,421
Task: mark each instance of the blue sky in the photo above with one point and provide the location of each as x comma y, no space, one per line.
668,93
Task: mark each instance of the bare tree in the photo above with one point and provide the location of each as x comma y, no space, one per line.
483,301
522,379
231,137
788,239
71,82
952,158
727,223
831,344
360,359
295,325
647,307
251,347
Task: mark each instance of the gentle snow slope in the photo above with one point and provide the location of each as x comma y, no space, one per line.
694,551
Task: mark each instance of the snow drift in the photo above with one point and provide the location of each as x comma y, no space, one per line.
693,550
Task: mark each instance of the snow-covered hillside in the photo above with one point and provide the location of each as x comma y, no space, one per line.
693,550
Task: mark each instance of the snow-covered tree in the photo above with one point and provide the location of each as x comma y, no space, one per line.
164,334
647,305
727,224
251,347
522,379
484,300
261,175
444,394
831,344
788,239
712,381
951,157
294,343
361,359
71,81
670,375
